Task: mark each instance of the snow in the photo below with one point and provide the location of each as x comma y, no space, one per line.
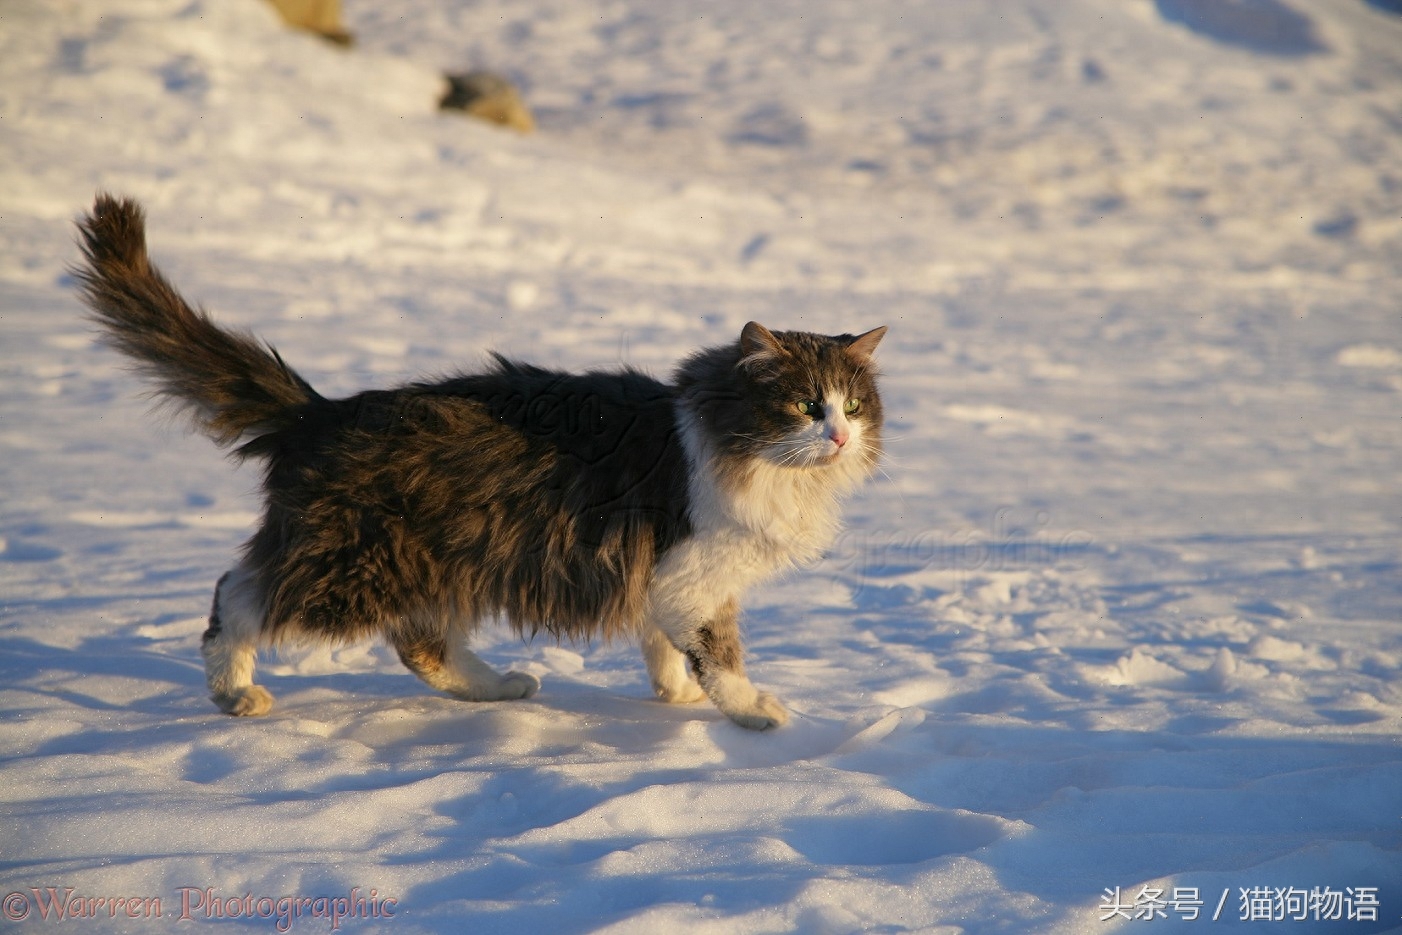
1123,611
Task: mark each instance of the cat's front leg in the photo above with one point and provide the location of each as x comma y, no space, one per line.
713,648
666,667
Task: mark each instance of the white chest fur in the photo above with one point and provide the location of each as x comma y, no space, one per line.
748,528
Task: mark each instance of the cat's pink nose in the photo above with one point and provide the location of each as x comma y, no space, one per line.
838,438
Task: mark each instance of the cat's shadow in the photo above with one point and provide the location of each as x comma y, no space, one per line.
568,718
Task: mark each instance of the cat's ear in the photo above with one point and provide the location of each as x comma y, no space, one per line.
863,345
758,346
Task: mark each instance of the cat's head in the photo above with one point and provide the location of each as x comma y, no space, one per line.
814,396
791,398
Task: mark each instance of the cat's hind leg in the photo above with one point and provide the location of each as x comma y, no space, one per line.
230,646
666,666
449,666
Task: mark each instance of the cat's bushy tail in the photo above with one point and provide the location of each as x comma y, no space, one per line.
234,386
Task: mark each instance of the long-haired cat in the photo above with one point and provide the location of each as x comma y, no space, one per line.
603,503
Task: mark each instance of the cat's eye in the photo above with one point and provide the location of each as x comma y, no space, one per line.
809,407
852,406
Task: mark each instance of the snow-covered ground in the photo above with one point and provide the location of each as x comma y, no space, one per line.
1124,614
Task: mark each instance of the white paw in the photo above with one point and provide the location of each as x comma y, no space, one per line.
687,692
489,686
252,701
764,712
515,685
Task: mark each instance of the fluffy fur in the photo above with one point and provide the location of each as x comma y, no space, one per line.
603,503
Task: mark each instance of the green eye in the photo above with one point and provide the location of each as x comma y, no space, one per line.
852,406
808,407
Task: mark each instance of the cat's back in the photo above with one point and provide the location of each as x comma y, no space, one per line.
615,421
600,446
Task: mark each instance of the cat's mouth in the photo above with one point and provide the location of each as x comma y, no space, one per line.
814,459
808,455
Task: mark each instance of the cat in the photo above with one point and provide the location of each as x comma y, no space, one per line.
595,504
